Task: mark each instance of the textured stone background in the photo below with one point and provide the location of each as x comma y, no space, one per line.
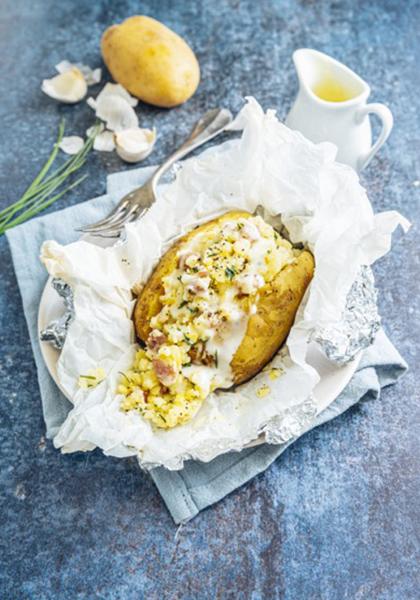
337,516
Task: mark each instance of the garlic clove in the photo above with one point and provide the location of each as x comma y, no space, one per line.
69,87
115,89
104,141
71,144
135,144
116,112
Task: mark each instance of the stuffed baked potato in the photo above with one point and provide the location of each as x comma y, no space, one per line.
218,306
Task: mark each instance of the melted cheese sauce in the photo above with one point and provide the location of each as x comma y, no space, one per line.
206,305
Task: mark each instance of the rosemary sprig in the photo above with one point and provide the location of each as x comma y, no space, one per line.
40,193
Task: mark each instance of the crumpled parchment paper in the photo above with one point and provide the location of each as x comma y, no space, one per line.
321,204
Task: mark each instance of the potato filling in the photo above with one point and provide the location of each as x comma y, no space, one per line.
206,304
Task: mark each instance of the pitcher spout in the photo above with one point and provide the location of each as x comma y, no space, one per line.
325,79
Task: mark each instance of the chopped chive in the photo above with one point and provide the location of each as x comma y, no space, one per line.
126,377
230,273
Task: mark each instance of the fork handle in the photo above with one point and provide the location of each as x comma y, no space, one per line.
210,125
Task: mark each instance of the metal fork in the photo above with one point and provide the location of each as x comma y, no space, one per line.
136,203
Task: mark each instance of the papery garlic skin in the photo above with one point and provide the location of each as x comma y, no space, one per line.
91,102
71,144
69,86
104,141
92,76
63,66
95,130
134,145
116,112
103,138
115,89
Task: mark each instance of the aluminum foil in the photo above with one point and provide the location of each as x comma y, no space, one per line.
56,331
359,324
289,424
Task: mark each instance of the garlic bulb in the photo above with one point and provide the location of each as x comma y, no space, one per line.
134,144
69,86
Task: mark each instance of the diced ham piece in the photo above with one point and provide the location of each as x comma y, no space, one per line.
196,353
155,340
164,372
199,356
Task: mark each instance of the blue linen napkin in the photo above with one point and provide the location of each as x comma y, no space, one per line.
197,485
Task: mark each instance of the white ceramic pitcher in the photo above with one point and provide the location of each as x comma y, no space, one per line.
331,105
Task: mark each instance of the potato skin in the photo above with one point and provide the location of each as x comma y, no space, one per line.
151,61
276,310
267,329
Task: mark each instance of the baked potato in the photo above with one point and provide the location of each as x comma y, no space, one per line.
217,307
151,61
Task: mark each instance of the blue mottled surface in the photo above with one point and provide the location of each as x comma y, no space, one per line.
337,517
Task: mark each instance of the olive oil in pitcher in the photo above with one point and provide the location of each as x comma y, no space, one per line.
331,106
331,90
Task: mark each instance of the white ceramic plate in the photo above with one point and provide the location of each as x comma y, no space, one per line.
333,378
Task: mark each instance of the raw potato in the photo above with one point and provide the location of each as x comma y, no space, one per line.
267,328
151,61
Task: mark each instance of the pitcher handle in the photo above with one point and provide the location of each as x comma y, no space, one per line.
385,115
